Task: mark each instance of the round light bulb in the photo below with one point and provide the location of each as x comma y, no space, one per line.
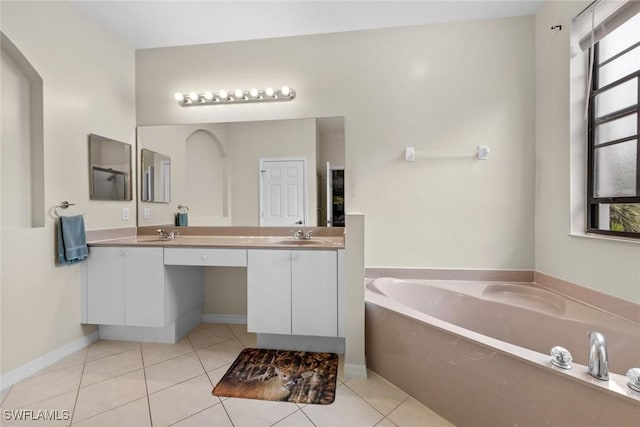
238,93
208,95
285,90
193,96
253,92
178,96
223,94
268,91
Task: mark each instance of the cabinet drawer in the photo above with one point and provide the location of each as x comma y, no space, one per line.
206,257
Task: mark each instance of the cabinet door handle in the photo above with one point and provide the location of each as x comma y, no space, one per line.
126,253
118,253
204,257
295,256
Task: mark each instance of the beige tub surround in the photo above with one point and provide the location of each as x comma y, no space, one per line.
469,351
450,274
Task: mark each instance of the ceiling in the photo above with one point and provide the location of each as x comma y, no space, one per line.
151,24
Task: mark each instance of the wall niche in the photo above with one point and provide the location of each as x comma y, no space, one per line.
22,140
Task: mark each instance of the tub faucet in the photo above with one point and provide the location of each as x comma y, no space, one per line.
598,363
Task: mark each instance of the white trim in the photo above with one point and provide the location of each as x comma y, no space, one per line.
224,318
30,368
355,371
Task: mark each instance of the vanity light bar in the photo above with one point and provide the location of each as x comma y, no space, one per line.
237,96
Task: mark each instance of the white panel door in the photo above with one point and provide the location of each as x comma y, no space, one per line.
282,192
314,293
269,291
105,286
144,287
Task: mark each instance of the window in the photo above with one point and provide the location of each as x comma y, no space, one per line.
613,172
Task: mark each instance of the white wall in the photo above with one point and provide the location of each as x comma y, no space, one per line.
437,87
88,78
606,265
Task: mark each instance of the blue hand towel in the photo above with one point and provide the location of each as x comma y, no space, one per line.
182,219
72,240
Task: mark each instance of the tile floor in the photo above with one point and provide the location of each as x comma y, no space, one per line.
116,383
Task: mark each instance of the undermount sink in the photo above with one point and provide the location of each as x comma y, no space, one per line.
295,242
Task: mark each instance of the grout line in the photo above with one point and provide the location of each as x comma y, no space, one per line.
363,399
285,417
194,414
309,418
6,393
108,355
227,412
112,409
146,386
75,402
171,358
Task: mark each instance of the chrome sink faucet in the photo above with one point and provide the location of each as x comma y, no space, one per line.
163,235
598,363
300,235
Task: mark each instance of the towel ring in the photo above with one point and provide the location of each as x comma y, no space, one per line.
185,207
62,205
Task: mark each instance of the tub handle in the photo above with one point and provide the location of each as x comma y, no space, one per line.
633,375
561,357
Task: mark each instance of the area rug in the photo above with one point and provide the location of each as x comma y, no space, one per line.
290,376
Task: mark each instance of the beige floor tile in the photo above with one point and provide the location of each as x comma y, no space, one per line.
220,354
131,414
100,349
172,371
109,394
238,329
297,419
42,387
386,422
257,413
3,394
56,412
209,336
347,410
413,413
382,395
202,326
249,340
111,366
73,359
181,401
214,416
156,353
216,375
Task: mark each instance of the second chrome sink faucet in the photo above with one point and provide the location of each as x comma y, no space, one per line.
300,235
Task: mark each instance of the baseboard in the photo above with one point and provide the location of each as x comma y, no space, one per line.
30,368
355,370
224,318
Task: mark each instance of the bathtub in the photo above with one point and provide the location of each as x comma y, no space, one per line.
478,353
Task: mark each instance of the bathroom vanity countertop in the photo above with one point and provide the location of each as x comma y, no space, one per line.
261,242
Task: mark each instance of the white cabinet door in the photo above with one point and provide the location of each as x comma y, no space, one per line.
105,286
144,296
314,293
269,291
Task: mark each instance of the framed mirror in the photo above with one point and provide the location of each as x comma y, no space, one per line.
155,177
245,173
109,169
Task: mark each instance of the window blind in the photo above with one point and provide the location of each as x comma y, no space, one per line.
600,18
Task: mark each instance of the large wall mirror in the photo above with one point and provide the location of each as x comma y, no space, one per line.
109,169
262,173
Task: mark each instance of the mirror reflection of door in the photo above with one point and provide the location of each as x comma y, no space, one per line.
335,196
282,192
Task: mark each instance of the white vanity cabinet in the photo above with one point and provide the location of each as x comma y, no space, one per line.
125,286
292,292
